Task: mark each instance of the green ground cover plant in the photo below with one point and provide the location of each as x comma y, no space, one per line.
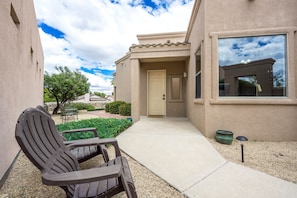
106,127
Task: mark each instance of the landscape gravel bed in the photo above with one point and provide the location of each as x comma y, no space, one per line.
275,158
278,159
24,180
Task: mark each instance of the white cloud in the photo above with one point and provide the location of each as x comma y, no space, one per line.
99,83
98,32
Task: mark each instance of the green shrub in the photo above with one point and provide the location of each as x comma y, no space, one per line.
114,106
107,107
106,127
91,108
80,106
95,109
125,109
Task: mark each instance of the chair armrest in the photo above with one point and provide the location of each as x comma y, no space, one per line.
94,130
75,143
95,141
82,176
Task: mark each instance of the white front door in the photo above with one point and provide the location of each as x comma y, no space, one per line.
156,92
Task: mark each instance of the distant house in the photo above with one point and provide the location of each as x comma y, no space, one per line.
235,68
21,72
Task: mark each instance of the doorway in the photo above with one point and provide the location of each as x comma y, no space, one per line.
156,92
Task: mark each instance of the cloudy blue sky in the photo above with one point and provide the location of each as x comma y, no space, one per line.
91,35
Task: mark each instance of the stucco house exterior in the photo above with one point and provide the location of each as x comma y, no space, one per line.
21,72
233,69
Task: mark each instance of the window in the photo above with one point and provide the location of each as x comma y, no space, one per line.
176,88
252,66
198,73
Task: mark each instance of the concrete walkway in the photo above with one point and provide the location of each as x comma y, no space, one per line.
176,151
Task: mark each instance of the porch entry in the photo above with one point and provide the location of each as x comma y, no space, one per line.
156,92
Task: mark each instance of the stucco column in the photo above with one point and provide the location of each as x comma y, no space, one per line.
135,90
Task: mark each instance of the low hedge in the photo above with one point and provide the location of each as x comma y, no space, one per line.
107,107
125,109
114,106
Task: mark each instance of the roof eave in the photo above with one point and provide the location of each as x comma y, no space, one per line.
192,19
123,58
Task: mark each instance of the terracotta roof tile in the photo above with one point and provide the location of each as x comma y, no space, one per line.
158,45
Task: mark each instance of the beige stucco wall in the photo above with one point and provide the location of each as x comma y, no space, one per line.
196,107
21,71
122,80
266,118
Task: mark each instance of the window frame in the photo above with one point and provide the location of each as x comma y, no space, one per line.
289,99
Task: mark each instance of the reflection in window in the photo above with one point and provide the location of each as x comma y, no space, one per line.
175,82
252,66
198,74
176,88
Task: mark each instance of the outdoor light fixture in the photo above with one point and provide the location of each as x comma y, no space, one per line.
241,139
185,75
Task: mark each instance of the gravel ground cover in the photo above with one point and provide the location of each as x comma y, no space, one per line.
24,180
275,158
278,159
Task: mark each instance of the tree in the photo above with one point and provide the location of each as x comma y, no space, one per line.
65,86
47,97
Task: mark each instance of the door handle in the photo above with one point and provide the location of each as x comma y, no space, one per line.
163,96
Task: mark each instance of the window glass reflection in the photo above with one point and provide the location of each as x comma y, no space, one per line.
252,66
175,88
198,74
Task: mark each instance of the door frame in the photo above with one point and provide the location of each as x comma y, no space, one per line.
165,90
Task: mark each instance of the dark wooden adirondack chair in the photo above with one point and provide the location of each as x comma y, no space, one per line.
82,153
39,139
